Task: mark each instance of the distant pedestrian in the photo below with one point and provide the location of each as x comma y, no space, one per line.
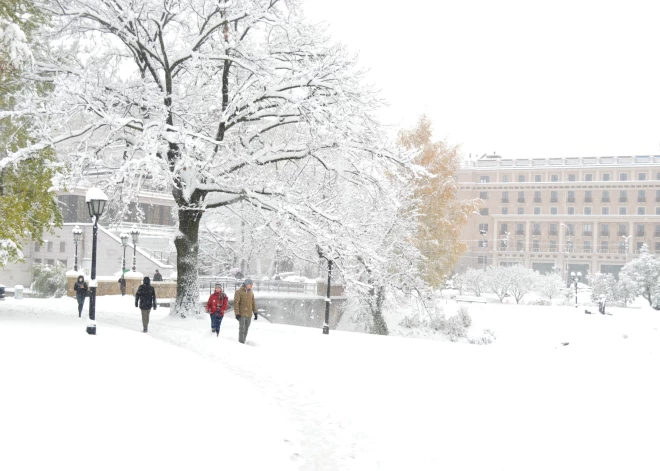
216,307
80,287
244,307
158,276
146,298
122,285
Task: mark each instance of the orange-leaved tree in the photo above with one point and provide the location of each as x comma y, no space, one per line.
441,213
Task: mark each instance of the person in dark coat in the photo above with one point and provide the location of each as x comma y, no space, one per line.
158,276
145,299
122,285
80,287
216,307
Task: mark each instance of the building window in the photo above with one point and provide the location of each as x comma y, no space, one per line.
657,211
571,177
657,231
657,176
569,246
537,196
483,195
536,228
623,177
641,176
586,229
588,177
505,178
520,230
519,245
641,196
62,247
521,178
50,247
587,196
641,211
37,247
483,243
604,246
521,210
657,196
50,262
640,230
553,210
623,230
483,211
484,179
657,248
535,245
521,197
37,261
623,196
570,210
622,211
482,259
63,262
605,230
587,246
606,177
570,228
587,210
606,196
555,178
570,198
553,229
554,197
504,228
605,210
483,227
537,178
505,197
553,246
505,210
537,210
639,246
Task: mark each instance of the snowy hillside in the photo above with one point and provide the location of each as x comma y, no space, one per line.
295,399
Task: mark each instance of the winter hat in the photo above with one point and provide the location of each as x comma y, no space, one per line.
218,285
146,280
248,281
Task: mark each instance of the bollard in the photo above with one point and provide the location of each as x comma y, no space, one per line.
18,292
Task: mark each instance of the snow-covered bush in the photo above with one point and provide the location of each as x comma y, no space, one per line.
487,337
463,313
455,328
498,281
540,302
522,281
474,281
604,288
411,322
642,273
550,286
49,280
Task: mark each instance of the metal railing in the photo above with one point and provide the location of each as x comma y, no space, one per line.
274,286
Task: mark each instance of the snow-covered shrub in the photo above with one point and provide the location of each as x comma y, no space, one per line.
540,302
463,313
475,281
604,288
643,273
411,321
49,280
487,336
455,327
498,280
550,286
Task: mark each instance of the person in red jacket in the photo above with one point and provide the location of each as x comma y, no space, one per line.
216,307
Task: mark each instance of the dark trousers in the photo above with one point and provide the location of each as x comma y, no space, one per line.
215,322
81,302
243,326
145,318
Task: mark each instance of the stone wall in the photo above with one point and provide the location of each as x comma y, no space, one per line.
164,289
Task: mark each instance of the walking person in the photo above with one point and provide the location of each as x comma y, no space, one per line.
122,285
216,307
146,298
158,276
80,287
244,307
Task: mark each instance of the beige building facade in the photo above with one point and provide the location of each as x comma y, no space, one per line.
587,214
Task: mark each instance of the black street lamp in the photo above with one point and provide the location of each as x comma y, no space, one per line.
96,201
326,324
77,235
576,278
124,243
135,235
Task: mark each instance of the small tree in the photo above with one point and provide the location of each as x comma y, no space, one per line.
627,289
643,272
550,286
604,288
523,280
475,281
498,281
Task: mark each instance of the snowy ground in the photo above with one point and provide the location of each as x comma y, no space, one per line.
180,398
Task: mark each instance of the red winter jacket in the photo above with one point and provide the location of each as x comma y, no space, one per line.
217,302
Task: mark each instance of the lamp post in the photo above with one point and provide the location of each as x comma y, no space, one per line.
124,242
96,201
625,244
326,324
77,235
576,278
483,247
135,234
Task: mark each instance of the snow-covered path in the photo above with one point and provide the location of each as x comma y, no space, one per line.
355,402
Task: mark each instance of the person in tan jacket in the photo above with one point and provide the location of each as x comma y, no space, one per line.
244,307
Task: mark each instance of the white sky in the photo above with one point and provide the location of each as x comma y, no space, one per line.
522,78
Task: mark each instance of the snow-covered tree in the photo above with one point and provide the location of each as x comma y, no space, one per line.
498,280
221,101
604,288
475,281
627,288
550,285
523,281
644,272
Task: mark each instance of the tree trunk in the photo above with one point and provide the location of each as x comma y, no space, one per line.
376,304
187,249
